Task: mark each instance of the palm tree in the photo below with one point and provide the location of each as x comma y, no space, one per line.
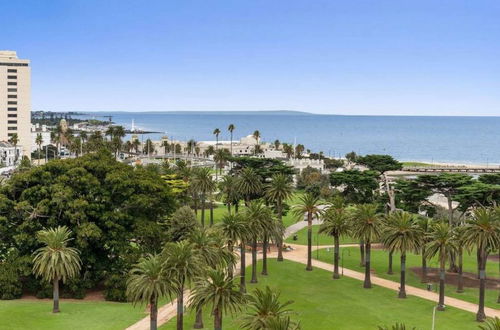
147,285
441,243
277,144
183,265
277,191
231,128
14,139
218,291
206,246
336,223
460,242
425,225
258,218
263,306
56,261
216,133
256,136
220,158
491,324
310,206
39,141
401,234
367,226
233,229
228,192
249,184
203,184
483,232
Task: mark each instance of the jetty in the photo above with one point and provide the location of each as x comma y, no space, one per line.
452,169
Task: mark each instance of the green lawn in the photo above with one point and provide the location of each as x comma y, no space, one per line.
379,262
318,239
323,303
36,314
416,164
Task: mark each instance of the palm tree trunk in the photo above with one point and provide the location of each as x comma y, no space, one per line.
198,323
217,319
336,257
481,316
498,299
368,283
55,308
402,283
264,255
362,253
153,314
280,238
389,271
230,268
180,308
243,287
424,267
440,306
254,261
309,242
460,286
203,210
211,211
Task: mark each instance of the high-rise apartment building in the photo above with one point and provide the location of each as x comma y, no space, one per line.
15,99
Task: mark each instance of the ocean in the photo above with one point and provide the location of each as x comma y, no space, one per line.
474,140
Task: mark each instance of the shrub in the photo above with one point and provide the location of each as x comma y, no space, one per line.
116,288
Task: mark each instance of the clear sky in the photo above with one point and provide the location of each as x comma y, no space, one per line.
341,57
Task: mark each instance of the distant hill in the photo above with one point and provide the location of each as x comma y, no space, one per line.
232,113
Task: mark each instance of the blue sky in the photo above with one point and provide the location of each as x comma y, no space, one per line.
339,57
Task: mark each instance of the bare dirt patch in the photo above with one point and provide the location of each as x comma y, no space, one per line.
470,280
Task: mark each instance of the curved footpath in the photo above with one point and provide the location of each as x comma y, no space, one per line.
299,254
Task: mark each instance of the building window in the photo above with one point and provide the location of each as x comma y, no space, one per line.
11,89
12,115
12,83
12,96
11,77
11,121
11,109
12,70
12,102
12,128
13,64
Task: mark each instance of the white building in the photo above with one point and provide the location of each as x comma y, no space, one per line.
15,99
301,164
44,132
9,155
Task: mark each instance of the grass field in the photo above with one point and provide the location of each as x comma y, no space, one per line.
379,262
323,304
37,314
318,239
416,164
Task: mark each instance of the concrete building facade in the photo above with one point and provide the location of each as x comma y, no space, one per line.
15,100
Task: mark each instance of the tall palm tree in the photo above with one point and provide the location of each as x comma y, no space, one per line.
258,218
14,139
39,141
206,246
228,191
256,136
218,291
249,184
367,226
146,284
184,265
233,228
277,191
310,206
460,242
231,129
425,225
483,232
441,242
220,158
216,133
56,261
401,234
263,305
336,223
203,184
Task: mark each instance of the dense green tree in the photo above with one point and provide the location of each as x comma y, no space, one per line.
146,284
356,186
181,224
249,184
56,261
264,167
411,195
477,194
228,192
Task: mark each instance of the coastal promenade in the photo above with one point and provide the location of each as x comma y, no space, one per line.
451,169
